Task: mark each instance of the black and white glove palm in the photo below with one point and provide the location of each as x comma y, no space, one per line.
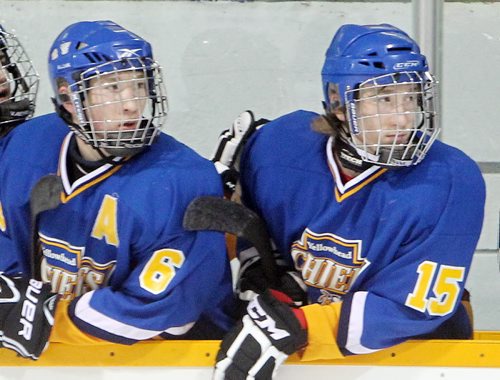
252,282
269,332
230,145
27,308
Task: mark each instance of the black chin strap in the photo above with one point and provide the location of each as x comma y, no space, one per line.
348,157
13,113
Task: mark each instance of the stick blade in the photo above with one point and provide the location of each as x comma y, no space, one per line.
204,213
218,214
46,194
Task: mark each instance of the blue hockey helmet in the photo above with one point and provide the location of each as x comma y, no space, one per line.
92,49
361,52
382,66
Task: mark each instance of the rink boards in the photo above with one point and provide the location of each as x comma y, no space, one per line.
436,359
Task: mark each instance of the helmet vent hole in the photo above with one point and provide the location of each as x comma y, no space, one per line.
379,65
81,45
397,49
90,57
96,57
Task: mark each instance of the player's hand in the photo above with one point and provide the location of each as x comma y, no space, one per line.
269,332
230,145
27,310
251,280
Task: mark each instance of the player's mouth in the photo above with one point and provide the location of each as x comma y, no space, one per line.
4,92
397,138
129,125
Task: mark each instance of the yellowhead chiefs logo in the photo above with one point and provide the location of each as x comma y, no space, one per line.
327,261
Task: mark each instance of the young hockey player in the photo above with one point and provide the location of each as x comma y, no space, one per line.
112,244
378,219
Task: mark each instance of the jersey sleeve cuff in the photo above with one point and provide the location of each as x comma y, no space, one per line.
65,331
322,322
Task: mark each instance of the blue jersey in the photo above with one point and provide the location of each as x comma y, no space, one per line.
394,246
116,240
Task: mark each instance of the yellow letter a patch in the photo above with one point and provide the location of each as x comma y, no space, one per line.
105,223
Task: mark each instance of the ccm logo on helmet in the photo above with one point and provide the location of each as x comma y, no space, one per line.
406,65
29,308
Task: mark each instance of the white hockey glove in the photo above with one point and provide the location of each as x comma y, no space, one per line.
269,332
27,308
251,280
230,145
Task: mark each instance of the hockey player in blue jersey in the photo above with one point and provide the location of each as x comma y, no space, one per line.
112,246
377,219
18,83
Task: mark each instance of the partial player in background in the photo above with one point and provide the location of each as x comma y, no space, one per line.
378,218
109,234
18,83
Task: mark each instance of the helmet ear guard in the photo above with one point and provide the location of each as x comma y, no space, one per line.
385,59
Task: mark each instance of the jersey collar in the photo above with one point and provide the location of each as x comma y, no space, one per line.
343,191
86,181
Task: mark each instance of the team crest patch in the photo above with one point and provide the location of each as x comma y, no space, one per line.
67,269
61,254
328,262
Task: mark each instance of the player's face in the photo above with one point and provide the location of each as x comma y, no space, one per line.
387,114
116,102
5,91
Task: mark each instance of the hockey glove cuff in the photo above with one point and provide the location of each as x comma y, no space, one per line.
261,341
27,308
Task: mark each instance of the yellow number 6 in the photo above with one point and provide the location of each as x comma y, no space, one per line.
160,270
445,289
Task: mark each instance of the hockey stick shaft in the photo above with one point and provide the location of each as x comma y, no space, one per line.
218,214
45,195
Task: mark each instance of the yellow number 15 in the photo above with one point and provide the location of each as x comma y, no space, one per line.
445,287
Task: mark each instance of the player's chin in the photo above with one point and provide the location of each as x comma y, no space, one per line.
124,151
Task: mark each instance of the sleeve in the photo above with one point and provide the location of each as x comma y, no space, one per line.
413,296
167,292
166,280
65,331
15,242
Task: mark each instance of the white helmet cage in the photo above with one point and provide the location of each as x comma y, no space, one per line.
18,80
380,137
145,89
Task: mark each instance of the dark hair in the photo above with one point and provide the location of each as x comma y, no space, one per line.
329,124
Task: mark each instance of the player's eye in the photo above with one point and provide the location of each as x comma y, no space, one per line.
111,86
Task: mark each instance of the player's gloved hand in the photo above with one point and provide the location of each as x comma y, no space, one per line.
231,142
269,332
252,282
27,310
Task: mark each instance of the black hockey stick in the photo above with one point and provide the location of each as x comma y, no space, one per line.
218,214
45,195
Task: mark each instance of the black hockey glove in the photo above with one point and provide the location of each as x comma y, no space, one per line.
229,148
269,332
27,310
251,280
